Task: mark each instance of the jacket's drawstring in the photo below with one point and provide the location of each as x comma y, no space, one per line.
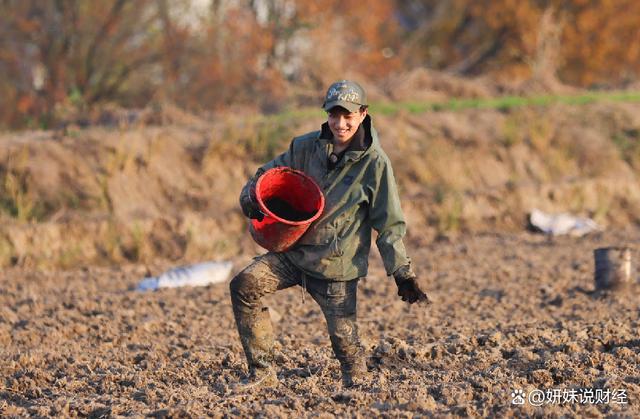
304,286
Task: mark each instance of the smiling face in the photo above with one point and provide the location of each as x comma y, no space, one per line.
344,124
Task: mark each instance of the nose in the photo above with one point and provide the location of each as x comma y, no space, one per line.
342,121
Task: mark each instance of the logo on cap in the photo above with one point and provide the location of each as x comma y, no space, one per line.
343,93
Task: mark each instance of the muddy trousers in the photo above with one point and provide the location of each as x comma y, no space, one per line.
271,272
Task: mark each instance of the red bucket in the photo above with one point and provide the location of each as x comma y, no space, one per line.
290,202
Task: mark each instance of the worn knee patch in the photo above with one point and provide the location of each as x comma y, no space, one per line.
245,290
239,284
341,328
344,338
264,276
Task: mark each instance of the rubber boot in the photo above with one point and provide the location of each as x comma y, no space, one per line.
256,336
345,341
354,372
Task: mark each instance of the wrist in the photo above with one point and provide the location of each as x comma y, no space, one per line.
404,274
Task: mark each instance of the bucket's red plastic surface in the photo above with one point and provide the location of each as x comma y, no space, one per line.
290,202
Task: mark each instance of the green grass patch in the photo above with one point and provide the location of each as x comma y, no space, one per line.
500,103
505,102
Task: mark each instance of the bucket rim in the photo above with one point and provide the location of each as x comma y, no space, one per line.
267,211
607,249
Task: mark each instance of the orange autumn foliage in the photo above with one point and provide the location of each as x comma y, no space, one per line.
598,39
272,54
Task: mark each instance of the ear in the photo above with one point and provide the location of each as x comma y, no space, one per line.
363,114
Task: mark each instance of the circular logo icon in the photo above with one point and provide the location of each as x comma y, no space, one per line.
536,397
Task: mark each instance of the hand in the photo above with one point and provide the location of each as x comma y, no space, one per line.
250,206
410,292
408,288
248,200
249,203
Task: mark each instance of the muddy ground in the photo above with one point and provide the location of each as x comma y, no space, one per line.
510,312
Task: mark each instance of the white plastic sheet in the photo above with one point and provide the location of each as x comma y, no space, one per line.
200,274
563,223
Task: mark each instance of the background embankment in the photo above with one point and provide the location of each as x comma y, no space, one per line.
137,191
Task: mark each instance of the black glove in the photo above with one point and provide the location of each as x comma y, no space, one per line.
408,288
248,200
250,206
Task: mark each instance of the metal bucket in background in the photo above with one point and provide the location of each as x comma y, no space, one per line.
614,269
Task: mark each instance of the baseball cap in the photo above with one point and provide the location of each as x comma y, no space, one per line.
348,94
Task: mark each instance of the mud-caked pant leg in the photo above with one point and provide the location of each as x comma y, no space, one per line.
265,275
338,301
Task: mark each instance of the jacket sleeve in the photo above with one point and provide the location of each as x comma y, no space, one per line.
387,218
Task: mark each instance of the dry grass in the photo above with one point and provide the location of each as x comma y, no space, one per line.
116,195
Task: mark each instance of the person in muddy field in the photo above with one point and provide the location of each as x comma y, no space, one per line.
347,162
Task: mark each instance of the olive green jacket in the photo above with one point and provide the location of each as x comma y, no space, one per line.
360,195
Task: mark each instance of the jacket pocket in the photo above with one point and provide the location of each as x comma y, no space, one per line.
319,236
336,289
325,237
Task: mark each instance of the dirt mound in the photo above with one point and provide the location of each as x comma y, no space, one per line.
482,170
104,195
509,312
424,85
